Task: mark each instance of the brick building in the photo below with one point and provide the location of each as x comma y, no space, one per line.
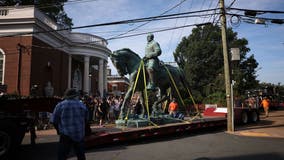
117,85
36,53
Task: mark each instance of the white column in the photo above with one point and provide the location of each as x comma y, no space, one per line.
69,71
101,77
86,74
105,76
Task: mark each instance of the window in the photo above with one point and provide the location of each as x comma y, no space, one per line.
1,67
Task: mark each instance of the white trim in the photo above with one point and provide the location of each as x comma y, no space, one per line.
3,69
86,51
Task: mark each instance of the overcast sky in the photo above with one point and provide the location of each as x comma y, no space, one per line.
265,41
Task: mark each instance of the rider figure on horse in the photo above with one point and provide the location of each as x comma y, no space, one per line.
152,51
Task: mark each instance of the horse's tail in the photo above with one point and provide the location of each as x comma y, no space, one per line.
183,79
184,82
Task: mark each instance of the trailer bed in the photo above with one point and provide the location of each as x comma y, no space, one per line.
112,134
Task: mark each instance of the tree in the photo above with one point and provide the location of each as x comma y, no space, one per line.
52,8
200,56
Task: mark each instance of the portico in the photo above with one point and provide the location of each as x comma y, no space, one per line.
93,58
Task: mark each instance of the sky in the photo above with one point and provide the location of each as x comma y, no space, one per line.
266,42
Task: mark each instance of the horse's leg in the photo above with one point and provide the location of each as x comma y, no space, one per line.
156,108
142,98
127,97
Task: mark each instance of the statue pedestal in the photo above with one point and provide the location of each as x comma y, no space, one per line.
132,123
144,122
164,119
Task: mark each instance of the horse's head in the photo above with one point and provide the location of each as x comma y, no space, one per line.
118,63
124,61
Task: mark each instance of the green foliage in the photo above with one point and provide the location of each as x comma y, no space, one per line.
276,90
52,8
200,55
216,98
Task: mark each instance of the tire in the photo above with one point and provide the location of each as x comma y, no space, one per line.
5,144
254,117
8,142
244,118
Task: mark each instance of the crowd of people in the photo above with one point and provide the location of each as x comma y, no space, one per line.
103,109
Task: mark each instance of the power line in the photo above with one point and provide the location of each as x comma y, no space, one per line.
185,19
154,18
260,11
175,26
208,8
163,30
264,18
151,20
232,3
127,36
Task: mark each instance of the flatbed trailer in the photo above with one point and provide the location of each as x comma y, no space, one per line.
108,135
210,119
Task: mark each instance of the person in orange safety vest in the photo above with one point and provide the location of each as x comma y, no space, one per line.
173,108
265,104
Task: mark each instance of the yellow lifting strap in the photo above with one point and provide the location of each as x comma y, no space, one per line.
136,79
166,102
145,90
171,77
146,95
175,86
196,107
135,84
134,87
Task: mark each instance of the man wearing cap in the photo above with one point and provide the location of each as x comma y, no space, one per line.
152,51
69,118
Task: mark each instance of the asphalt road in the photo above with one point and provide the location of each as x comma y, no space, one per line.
205,145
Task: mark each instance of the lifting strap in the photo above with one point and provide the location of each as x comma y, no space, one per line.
173,82
145,91
175,86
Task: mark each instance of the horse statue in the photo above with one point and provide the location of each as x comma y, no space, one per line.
128,62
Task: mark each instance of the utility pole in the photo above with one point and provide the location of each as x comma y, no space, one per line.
226,66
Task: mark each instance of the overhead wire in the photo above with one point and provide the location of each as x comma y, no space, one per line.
126,36
151,20
195,21
260,11
254,17
232,3
163,17
214,22
211,1
190,6
170,41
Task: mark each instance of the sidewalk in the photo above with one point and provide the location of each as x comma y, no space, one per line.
272,126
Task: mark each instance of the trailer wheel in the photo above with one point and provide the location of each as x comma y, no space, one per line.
7,139
5,143
244,117
254,117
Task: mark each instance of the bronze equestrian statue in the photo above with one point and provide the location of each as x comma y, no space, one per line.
128,62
